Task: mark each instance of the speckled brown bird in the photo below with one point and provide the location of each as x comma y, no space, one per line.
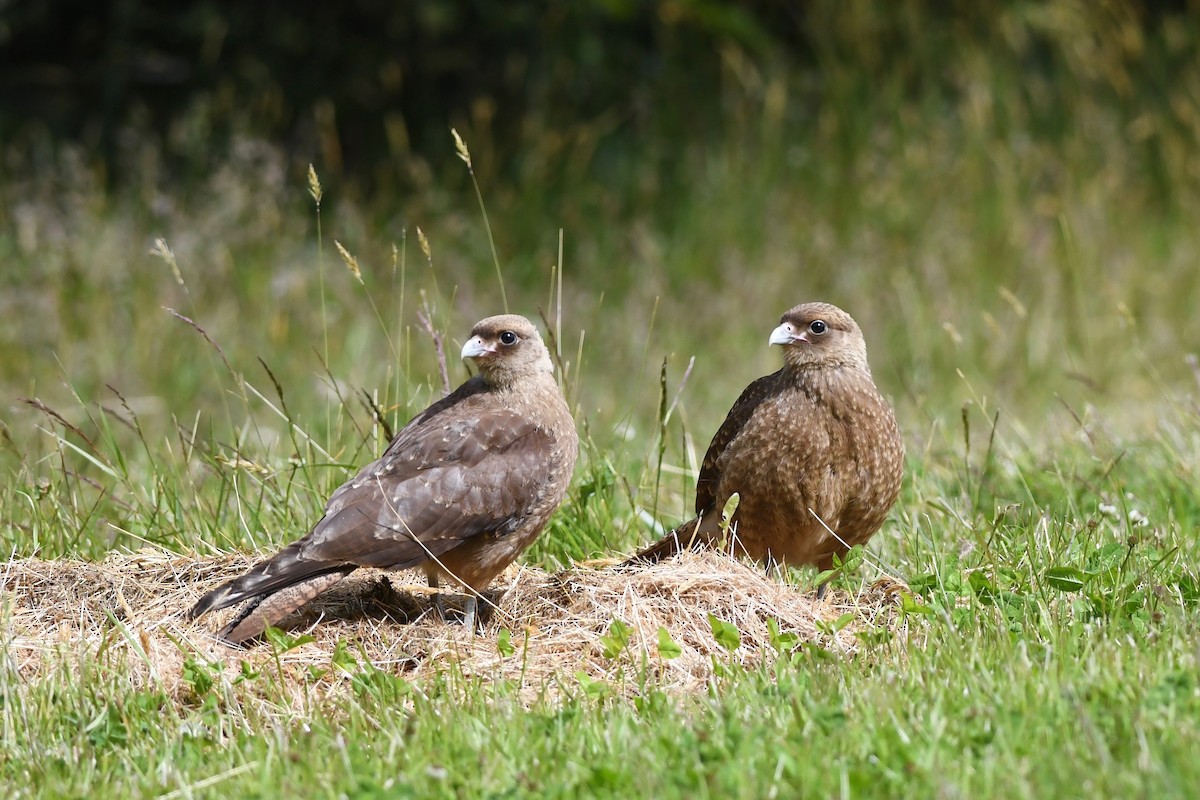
810,449
460,492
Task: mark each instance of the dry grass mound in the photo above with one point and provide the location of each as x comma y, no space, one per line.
133,604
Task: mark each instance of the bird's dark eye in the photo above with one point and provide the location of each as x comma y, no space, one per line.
508,338
817,326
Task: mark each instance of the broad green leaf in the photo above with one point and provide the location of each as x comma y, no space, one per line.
782,641
282,642
667,648
504,645
1066,579
726,633
613,644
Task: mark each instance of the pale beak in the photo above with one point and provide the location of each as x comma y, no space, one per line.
786,334
474,348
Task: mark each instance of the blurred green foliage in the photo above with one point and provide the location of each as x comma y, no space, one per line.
366,83
560,90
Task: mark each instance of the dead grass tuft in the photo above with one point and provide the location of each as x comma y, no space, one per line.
133,604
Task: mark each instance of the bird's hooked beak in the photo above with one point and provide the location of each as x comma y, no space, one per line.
475,348
786,334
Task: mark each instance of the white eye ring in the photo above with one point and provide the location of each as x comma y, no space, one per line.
817,326
508,338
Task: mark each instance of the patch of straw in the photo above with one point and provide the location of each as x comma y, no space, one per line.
557,621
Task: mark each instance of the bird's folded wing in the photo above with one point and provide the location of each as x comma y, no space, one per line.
454,479
462,473
750,399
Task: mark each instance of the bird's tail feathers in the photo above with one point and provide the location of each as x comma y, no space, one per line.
284,569
272,608
691,535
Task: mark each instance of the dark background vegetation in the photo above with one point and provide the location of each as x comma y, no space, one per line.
368,89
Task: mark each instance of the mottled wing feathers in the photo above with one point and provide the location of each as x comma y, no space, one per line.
461,478
743,408
456,471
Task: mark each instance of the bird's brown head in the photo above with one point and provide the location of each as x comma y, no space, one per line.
820,335
507,348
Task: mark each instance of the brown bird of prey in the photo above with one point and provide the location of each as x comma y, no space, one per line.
813,452
464,488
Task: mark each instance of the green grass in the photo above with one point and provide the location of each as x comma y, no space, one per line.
1050,649
1021,252
967,711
